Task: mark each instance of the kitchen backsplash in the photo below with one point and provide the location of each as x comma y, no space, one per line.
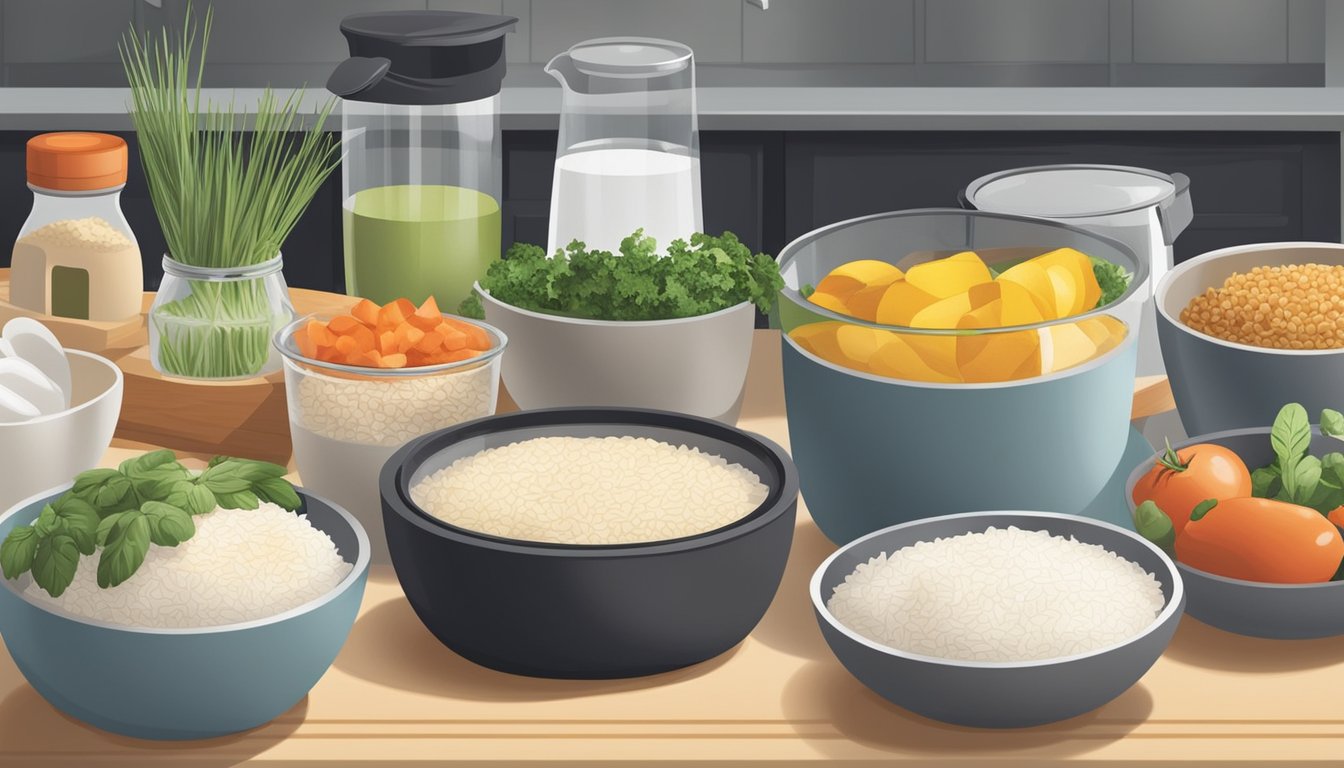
794,42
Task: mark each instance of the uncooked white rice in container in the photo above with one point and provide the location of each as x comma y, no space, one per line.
998,596
390,410
241,565
590,490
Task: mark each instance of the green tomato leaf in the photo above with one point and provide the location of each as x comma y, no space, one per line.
1265,482
54,563
127,543
1308,478
16,553
278,490
80,520
168,525
1332,423
1291,433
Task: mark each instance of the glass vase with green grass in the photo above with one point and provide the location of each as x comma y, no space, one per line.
228,186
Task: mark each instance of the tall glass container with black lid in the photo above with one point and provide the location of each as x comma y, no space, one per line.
422,164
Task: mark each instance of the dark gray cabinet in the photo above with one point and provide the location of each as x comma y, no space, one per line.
1246,187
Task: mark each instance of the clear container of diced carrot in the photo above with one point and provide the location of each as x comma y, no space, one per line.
362,384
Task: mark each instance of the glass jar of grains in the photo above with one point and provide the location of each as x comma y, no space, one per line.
76,256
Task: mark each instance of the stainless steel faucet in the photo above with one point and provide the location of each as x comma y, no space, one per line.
762,4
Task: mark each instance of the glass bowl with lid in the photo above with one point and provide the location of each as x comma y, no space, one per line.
898,421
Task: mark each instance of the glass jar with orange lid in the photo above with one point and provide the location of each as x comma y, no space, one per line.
76,256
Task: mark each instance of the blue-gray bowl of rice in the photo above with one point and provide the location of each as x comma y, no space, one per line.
198,671
998,619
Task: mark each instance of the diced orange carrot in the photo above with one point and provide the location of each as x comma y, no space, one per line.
343,324
430,343
407,336
461,354
453,339
319,334
307,347
396,360
387,342
346,346
477,338
428,316
364,338
366,312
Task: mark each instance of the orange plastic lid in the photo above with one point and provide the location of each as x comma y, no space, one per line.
75,161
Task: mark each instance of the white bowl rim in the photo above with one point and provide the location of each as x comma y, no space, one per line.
1172,606
357,571
1096,362
485,296
1164,285
117,382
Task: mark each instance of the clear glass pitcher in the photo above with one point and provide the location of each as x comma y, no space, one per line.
629,151
422,166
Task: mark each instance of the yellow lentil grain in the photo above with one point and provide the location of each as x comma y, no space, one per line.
1296,306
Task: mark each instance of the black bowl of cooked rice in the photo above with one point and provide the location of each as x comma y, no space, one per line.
589,542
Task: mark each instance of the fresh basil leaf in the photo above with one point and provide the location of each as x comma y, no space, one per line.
1265,482
47,522
168,525
54,563
194,499
224,478
158,484
80,520
127,544
278,490
217,461
16,554
105,526
114,495
1332,423
245,499
90,480
1308,476
1332,469
147,462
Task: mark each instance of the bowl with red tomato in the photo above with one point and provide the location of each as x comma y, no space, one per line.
1252,518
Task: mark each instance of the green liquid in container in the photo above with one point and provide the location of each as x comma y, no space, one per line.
415,241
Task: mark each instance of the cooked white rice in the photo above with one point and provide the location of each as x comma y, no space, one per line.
590,490
999,596
241,565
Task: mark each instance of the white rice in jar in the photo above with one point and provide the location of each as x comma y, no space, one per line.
241,565
389,410
591,491
999,596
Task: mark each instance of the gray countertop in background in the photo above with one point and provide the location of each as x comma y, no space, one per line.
828,108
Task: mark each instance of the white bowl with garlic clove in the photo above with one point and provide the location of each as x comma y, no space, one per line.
58,410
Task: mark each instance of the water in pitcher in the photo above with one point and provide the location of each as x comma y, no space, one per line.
600,196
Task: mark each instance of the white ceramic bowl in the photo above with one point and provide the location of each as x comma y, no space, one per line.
49,450
693,365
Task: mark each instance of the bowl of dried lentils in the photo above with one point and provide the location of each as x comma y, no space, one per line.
1245,329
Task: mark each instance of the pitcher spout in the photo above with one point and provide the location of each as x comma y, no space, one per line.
562,69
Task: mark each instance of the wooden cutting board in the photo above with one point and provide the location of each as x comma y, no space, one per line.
103,338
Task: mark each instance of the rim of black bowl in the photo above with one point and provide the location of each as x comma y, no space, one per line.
357,568
394,480
1147,464
1172,605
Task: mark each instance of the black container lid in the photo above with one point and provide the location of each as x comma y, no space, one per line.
422,57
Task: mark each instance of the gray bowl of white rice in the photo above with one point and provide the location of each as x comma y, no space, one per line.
998,619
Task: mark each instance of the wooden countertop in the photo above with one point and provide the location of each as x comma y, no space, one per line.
395,695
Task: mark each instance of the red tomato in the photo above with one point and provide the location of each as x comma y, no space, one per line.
1178,482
